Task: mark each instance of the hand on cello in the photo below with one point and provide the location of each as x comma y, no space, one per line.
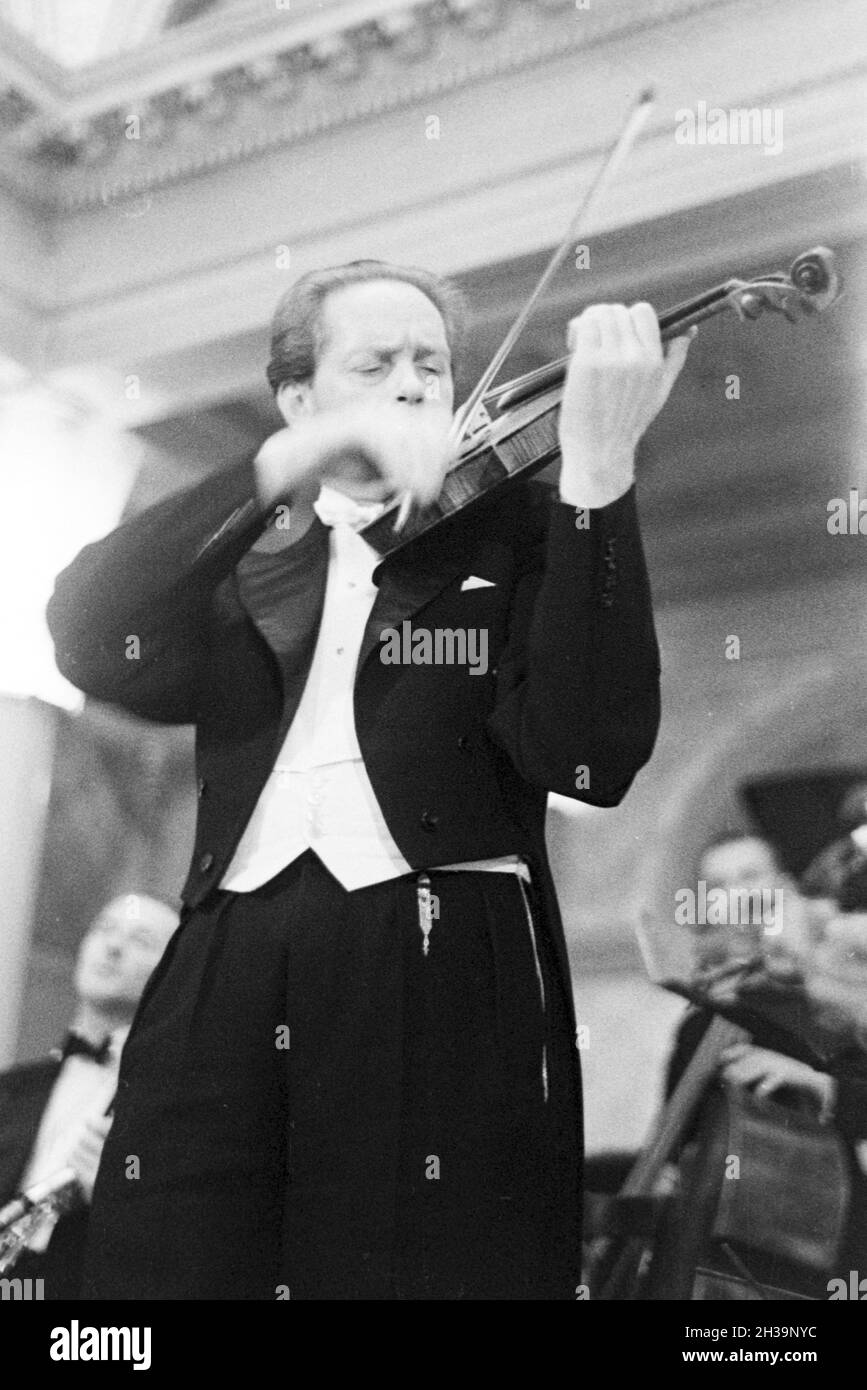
767,1073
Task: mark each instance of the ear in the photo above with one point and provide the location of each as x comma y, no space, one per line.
294,400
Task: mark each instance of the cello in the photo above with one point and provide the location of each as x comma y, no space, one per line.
755,1210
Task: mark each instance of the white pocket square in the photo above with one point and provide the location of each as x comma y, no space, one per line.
474,582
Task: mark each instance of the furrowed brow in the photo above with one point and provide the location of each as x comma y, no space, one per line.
382,350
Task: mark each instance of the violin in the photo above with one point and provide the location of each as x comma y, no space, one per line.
510,431
515,435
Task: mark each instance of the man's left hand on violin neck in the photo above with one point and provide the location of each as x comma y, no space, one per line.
618,380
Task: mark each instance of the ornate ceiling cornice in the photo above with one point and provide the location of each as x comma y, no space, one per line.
227,87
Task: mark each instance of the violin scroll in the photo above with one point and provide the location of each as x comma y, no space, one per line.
511,430
814,274
810,286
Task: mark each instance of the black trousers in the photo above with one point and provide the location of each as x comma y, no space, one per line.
60,1267
311,1107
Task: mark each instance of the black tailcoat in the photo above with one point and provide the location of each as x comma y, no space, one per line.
151,618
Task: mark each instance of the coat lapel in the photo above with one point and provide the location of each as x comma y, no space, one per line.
406,582
405,586
308,628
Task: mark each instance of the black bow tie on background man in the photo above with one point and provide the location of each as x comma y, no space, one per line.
76,1046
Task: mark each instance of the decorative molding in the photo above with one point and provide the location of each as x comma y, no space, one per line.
178,282
232,300
210,94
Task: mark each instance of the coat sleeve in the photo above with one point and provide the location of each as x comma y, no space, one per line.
130,616
577,703
851,1109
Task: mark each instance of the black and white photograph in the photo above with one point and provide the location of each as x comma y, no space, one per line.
433,667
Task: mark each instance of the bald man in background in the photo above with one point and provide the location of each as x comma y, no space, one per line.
53,1112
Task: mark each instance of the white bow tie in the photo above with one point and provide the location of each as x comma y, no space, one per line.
333,507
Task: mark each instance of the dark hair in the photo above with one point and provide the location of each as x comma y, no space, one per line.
297,332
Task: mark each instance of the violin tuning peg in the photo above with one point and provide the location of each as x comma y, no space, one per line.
814,275
750,304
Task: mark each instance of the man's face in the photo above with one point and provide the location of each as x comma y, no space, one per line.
383,341
120,950
745,865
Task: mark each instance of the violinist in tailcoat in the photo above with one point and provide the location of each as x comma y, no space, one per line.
354,1074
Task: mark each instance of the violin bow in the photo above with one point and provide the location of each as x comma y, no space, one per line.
614,157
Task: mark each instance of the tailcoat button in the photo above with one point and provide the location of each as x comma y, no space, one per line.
429,820
206,862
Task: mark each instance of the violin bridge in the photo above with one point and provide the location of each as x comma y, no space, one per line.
479,420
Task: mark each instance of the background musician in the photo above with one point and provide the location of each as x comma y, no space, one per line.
746,863
749,862
52,1112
